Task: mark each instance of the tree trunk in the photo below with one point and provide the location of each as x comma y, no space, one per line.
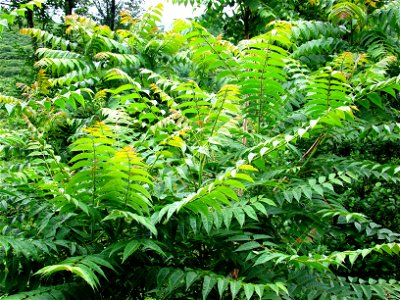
44,17
246,21
29,18
69,6
112,14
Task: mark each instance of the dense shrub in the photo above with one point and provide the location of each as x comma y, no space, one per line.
177,165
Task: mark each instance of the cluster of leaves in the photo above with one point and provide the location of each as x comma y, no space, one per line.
184,166
9,13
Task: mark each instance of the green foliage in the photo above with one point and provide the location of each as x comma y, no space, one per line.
148,164
63,291
85,267
15,53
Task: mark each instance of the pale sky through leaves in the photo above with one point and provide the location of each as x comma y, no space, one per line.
172,12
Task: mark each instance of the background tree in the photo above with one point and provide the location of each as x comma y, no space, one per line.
107,11
44,12
14,4
242,19
66,6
